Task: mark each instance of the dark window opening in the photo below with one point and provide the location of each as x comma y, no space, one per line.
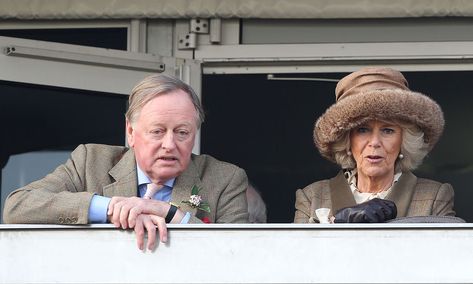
41,117
113,38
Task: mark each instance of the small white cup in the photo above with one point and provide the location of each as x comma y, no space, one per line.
323,215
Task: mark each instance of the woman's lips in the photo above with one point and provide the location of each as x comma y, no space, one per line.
374,158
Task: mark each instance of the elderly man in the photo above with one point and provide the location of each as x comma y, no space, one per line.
156,181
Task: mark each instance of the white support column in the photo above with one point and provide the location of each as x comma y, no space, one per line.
138,36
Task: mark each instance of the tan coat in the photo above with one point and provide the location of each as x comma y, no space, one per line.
413,197
63,197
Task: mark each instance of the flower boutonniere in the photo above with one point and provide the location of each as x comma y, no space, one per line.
195,200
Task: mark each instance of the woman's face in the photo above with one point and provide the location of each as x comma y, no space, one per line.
375,147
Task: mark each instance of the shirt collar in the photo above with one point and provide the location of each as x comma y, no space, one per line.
360,197
144,179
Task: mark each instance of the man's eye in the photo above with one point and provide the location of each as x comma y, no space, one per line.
157,132
182,134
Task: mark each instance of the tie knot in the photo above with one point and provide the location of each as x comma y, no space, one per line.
151,190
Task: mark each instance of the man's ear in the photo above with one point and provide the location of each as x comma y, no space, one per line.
130,133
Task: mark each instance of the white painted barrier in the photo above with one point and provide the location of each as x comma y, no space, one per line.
215,253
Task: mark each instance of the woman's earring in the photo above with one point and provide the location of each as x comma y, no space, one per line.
349,153
401,156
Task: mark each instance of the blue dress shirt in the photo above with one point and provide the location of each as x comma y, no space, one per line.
99,204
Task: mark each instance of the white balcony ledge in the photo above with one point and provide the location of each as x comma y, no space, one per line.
217,253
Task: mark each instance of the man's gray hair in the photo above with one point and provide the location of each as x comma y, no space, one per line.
157,85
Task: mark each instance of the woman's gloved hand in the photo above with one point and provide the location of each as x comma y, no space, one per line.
373,211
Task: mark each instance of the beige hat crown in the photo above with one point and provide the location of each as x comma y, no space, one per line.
376,93
370,78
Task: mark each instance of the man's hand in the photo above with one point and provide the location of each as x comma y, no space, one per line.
137,213
150,222
373,211
124,211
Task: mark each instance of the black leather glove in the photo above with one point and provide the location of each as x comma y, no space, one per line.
373,211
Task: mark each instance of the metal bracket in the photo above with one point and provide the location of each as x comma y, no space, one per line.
188,41
199,26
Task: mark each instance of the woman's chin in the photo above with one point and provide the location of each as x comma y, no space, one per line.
376,172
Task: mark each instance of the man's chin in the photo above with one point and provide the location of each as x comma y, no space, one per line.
166,174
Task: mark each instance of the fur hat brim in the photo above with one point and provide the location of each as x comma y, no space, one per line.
387,105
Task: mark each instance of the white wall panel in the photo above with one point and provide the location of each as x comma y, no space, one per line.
216,253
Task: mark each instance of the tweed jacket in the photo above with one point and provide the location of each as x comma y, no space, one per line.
64,196
413,197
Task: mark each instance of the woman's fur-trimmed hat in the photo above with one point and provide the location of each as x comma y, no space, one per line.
376,93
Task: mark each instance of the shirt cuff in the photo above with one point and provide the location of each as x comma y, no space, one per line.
98,209
186,218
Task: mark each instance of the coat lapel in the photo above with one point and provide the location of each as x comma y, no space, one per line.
181,190
126,182
402,193
124,174
340,192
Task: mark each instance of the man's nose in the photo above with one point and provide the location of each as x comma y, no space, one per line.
168,141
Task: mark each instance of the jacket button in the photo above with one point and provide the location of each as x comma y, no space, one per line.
61,220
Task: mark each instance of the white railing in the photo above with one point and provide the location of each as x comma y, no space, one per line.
214,253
